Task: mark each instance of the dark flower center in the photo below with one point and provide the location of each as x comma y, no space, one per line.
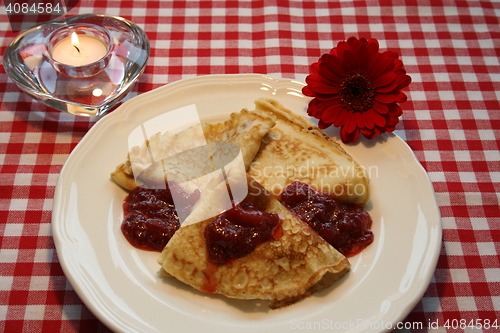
356,92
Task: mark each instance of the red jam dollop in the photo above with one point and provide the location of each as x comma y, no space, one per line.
150,217
238,231
345,226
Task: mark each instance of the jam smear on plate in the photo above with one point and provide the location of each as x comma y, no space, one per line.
150,217
150,220
345,226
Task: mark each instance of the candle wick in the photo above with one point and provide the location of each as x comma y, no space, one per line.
77,48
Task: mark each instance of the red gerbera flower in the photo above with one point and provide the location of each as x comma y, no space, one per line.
357,88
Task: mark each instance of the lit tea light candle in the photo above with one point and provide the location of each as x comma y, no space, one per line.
79,50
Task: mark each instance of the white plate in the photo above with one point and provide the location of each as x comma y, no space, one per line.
119,283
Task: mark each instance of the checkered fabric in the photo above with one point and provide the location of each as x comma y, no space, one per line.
451,121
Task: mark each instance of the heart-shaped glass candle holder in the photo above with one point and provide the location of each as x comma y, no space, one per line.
84,77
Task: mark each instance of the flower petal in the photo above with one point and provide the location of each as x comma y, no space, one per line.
322,105
401,97
360,119
404,82
350,123
313,79
373,46
362,58
315,67
368,120
334,69
384,79
323,88
323,125
385,98
348,137
336,66
394,110
306,90
341,117
330,112
377,118
349,62
354,43
311,110
388,88
380,107
369,134
383,66
341,47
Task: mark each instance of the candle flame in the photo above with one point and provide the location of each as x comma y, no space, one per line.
74,40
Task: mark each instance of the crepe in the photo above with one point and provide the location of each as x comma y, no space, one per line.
295,150
280,271
192,156
247,161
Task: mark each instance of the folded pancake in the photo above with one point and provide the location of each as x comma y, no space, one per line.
191,155
295,150
239,240
290,265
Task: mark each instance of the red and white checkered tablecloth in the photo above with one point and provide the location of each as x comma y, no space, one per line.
451,120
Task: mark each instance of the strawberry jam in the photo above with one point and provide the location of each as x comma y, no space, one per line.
238,231
150,217
345,226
